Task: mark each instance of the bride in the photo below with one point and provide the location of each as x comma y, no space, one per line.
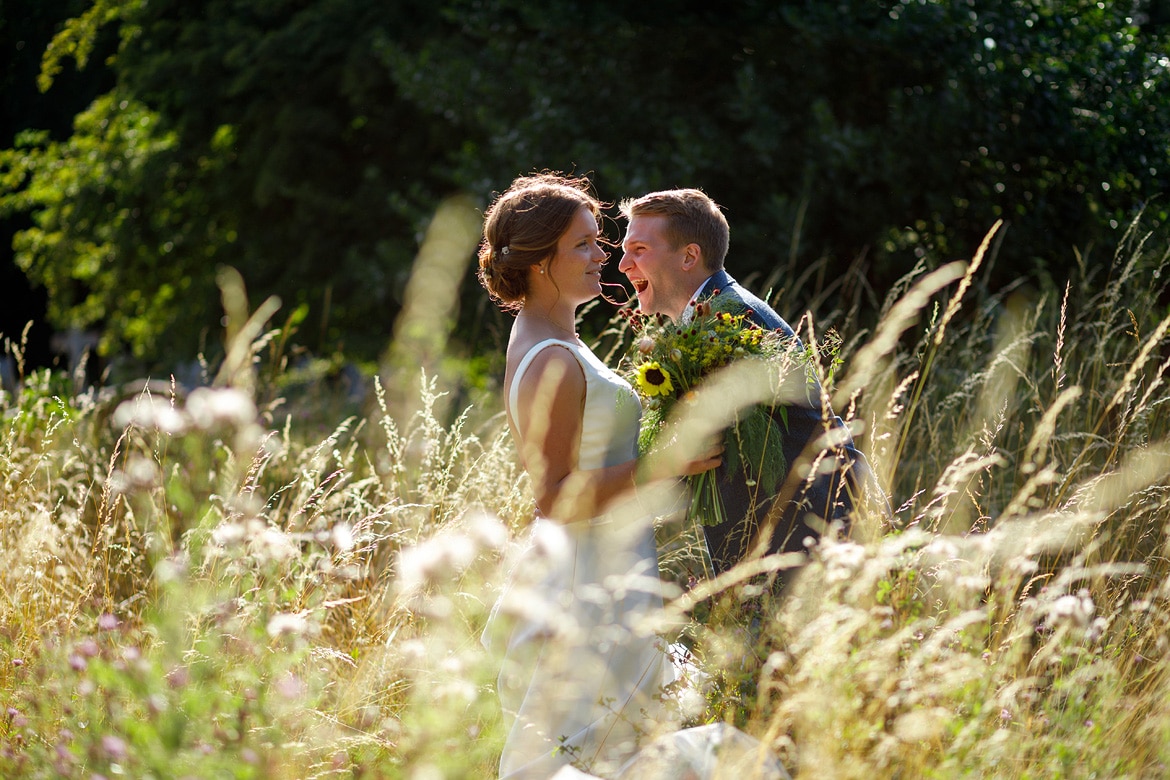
581,677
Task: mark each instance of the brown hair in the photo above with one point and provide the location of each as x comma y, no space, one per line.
691,218
522,227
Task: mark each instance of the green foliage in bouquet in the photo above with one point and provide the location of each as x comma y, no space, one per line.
757,446
669,361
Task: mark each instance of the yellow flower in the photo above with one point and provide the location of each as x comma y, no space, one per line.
654,380
751,337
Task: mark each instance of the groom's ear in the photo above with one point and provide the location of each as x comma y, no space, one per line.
693,257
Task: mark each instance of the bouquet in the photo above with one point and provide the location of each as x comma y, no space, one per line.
669,361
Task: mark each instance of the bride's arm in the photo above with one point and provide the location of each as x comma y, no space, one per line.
552,391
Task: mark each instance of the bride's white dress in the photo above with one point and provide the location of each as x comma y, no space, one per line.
581,676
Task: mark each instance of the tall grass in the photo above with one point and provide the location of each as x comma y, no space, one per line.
205,584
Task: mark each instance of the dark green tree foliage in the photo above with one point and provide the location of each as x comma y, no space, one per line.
307,142
893,122
325,173
259,135
25,30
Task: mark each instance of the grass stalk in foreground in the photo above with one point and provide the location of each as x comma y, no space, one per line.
194,586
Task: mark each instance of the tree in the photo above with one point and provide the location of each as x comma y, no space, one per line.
265,138
888,125
25,30
307,142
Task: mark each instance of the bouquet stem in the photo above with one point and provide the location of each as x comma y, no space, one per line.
706,508
706,503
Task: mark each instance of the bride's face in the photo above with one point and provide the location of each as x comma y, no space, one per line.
575,269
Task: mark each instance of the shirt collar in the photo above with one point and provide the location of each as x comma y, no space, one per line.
720,278
688,312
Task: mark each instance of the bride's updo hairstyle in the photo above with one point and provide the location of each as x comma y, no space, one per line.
522,227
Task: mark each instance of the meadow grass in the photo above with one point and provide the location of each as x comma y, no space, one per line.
208,583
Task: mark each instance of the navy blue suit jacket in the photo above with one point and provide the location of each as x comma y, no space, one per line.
782,511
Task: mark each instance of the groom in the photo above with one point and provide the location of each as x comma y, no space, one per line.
673,254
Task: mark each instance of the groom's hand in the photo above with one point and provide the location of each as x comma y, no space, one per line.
676,459
710,458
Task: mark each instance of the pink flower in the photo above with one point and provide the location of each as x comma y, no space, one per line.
114,746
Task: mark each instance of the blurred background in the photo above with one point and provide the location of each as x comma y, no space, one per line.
308,144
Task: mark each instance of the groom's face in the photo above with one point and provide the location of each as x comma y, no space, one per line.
658,271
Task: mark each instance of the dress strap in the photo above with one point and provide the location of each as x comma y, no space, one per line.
514,388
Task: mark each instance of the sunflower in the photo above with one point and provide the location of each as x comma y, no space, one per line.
654,380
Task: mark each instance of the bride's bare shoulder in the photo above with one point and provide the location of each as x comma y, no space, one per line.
523,340
553,354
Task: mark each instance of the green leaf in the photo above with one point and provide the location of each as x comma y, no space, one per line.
754,446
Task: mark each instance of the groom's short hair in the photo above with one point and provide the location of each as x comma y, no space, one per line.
691,218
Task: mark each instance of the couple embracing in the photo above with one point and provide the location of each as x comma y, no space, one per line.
583,671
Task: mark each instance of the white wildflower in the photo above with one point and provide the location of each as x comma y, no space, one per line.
1097,629
456,689
1075,610
487,530
412,651
551,542
287,623
246,505
272,544
842,561
209,407
973,583
229,534
437,559
142,472
461,551
419,564
925,725
1023,567
342,537
171,569
145,411
941,549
